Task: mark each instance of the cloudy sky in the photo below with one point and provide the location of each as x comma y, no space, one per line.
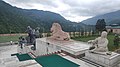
74,10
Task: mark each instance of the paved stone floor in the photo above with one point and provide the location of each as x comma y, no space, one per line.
5,54
6,60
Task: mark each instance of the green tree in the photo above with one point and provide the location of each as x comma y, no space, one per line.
100,25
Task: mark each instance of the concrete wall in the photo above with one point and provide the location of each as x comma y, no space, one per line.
114,30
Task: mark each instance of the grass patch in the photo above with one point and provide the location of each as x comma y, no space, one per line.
111,46
8,38
4,39
84,38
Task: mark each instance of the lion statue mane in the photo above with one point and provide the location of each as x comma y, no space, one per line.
58,33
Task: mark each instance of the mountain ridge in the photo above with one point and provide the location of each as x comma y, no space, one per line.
15,20
109,17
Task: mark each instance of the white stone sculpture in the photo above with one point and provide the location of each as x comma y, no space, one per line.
100,44
58,33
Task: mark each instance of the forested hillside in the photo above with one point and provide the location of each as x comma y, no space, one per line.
15,20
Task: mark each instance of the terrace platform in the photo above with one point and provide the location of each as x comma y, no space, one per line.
106,60
6,60
48,46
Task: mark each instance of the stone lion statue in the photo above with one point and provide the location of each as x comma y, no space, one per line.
58,33
100,44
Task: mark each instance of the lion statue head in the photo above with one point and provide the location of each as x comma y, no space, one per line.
58,33
55,28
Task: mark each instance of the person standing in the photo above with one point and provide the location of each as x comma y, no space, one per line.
37,32
30,34
22,41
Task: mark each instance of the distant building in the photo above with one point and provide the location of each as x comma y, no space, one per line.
114,28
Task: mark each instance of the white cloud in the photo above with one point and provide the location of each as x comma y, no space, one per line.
74,10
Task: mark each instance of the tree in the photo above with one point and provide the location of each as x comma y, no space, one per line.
100,25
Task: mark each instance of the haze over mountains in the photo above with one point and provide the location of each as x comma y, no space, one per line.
110,18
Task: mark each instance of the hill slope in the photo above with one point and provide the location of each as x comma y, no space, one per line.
15,20
110,18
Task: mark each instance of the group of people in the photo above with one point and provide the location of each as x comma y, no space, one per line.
32,34
30,39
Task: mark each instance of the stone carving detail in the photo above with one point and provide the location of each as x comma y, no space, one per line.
58,33
100,44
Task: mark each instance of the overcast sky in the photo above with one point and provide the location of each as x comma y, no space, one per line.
74,10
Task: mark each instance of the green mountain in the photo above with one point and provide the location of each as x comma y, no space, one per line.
15,20
110,18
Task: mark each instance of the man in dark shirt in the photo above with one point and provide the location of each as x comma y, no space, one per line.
30,34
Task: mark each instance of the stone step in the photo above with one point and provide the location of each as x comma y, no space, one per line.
90,62
31,54
56,52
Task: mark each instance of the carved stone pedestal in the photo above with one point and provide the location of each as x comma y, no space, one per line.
106,60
